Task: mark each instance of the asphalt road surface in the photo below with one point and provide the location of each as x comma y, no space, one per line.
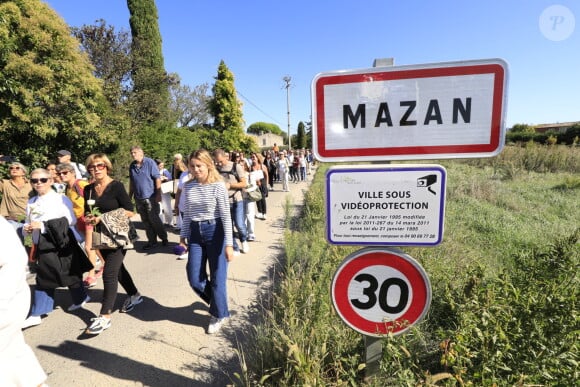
163,341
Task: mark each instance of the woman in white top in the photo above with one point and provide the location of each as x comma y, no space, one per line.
18,364
49,221
249,205
207,235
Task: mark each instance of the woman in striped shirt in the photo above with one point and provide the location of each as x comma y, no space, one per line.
206,233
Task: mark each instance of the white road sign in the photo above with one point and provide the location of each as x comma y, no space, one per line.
441,110
390,205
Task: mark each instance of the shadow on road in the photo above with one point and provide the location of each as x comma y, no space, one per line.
121,367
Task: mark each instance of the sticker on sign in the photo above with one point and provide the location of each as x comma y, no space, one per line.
442,110
390,205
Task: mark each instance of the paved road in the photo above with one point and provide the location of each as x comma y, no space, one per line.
163,341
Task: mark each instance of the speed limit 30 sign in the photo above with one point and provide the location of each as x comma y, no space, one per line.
377,291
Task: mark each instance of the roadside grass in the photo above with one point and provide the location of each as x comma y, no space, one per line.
505,287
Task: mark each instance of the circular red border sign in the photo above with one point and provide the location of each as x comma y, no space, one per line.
417,305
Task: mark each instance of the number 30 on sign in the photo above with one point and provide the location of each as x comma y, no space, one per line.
377,291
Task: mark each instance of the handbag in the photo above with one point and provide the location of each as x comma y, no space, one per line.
101,241
255,195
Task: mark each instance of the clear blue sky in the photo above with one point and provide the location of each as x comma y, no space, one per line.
261,41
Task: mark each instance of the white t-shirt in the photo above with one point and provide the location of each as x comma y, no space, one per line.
184,177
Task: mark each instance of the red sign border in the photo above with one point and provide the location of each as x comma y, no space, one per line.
499,69
416,275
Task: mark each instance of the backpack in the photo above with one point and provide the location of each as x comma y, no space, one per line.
234,172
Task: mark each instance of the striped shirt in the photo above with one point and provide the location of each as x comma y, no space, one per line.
206,202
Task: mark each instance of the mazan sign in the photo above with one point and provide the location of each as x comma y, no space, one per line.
379,291
389,205
442,110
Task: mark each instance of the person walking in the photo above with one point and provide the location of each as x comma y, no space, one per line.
207,236
59,260
18,363
145,187
75,192
233,174
270,164
107,194
165,212
64,156
249,205
261,173
283,170
15,194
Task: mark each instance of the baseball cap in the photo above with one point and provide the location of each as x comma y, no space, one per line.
63,152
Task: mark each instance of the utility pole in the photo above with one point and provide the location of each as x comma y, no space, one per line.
287,79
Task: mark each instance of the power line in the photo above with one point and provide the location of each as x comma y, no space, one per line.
256,106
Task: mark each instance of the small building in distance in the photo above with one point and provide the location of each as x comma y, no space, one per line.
560,127
267,140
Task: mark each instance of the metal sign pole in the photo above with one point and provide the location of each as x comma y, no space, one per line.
374,345
373,355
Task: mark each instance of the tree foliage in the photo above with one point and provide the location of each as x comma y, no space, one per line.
150,98
300,141
189,106
264,127
226,110
523,128
49,98
110,53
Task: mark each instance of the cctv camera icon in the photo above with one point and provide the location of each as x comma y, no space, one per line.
427,182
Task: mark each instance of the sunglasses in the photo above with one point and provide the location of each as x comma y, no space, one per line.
11,168
94,167
63,173
41,180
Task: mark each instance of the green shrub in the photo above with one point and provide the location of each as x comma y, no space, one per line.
505,289
519,326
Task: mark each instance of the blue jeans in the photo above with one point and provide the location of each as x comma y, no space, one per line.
239,219
43,301
207,245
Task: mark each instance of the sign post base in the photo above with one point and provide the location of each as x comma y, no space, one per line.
373,355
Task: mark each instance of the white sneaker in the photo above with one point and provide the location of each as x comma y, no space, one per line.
74,307
98,325
245,247
215,324
183,256
31,321
264,217
236,253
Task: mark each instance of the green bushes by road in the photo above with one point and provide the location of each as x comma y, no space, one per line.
505,287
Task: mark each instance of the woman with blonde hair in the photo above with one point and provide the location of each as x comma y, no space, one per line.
207,235
178,166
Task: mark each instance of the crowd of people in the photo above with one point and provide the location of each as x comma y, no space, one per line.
61,214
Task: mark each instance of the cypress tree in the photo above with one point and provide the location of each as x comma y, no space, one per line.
226,110
150,80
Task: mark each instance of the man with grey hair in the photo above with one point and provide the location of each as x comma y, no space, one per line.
145,187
